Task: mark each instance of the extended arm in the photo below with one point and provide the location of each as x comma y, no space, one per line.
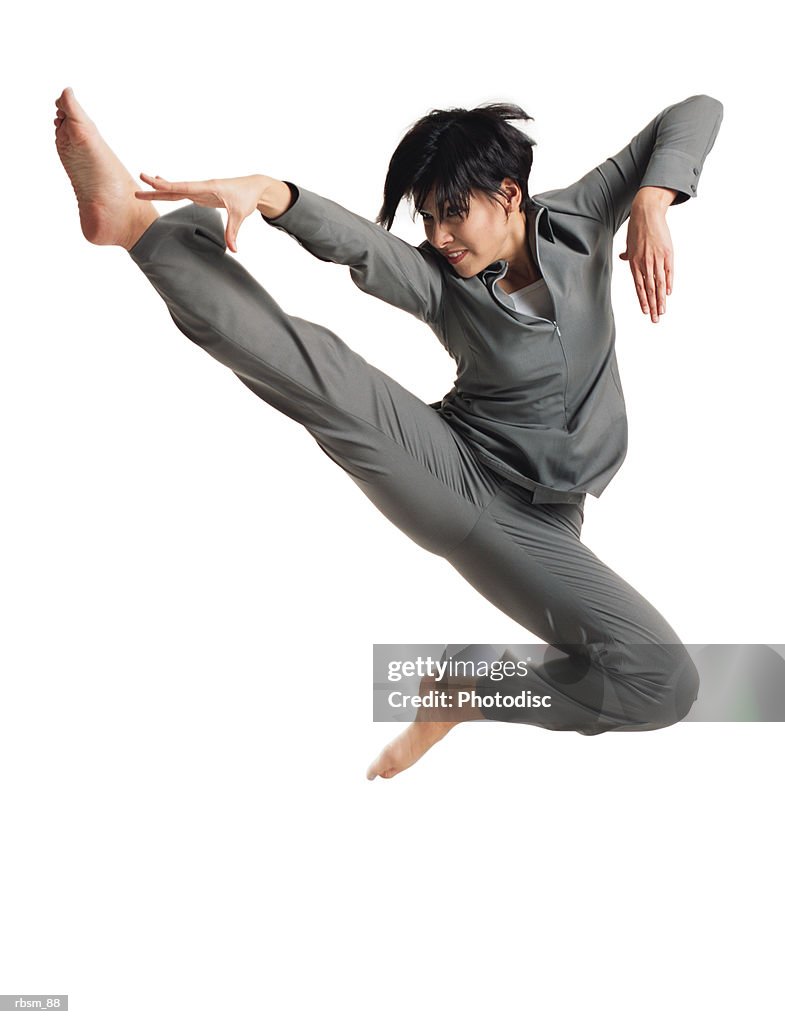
380,263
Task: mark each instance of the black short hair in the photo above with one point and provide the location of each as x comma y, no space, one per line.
457,151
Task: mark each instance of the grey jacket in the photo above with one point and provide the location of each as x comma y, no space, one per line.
540,401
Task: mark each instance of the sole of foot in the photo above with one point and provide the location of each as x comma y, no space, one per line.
109,213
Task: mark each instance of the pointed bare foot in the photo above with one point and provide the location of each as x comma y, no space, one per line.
416,740
109,212
429,726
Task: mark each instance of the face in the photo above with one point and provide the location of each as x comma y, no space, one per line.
472,242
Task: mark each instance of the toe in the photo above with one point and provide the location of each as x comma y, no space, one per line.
71,105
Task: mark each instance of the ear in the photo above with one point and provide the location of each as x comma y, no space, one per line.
513,192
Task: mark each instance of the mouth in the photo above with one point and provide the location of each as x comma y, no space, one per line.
456,256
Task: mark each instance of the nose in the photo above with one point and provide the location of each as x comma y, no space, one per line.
442,237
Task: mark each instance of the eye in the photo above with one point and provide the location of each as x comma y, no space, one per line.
450,213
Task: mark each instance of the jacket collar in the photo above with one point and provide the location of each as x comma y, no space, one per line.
539,218
545,222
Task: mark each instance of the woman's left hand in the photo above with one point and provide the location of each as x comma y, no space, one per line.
238,196
650,250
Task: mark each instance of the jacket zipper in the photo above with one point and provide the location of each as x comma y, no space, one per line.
544,319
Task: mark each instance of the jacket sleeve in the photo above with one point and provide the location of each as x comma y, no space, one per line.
380,263
669,152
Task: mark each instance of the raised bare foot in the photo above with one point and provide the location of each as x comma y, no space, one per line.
109,212
414,741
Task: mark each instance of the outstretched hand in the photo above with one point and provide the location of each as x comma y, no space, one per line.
238,196
650,253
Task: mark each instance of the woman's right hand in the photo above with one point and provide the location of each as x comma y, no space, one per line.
240,197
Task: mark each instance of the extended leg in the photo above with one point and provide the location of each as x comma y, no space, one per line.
396,448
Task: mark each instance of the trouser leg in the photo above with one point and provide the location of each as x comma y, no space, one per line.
614,662
396,448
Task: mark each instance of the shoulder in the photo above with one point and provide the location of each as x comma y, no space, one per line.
569,201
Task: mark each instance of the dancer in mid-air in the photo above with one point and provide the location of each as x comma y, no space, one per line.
517,288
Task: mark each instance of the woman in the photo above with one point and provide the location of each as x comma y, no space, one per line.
493,478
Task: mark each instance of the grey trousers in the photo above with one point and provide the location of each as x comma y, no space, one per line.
613,662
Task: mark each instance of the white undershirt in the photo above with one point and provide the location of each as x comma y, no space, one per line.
534,299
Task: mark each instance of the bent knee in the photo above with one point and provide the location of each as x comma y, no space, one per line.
662,695
681,691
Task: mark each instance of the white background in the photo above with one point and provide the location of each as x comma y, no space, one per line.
192,589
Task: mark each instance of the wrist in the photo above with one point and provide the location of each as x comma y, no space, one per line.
275,197
654,197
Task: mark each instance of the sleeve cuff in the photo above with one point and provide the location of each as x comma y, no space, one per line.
670,168
295,196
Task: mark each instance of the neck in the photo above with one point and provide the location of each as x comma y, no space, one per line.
522,266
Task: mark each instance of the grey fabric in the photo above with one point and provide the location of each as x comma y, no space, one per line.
620,667
539,401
